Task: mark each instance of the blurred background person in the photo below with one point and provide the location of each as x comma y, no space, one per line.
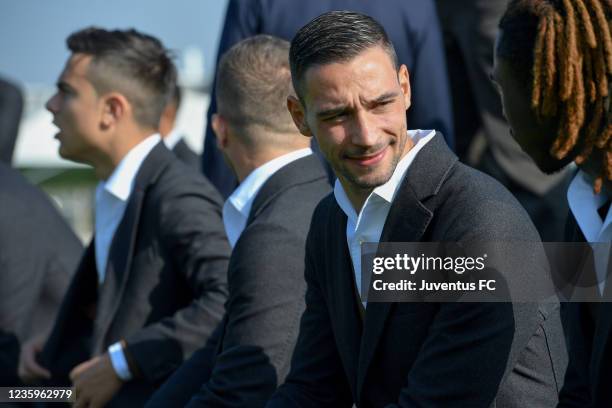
554,67
11,108
412,26
481,131
38,256
172,136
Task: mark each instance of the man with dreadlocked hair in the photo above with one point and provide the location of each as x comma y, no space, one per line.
554,66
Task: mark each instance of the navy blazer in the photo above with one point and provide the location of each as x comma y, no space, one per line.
412,26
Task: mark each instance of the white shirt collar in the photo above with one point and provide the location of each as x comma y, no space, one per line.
368,225
238,205
584,204
388,190
121,181
172,138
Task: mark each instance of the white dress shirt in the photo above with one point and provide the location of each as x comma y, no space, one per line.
367,226
584,204
238,205
111,199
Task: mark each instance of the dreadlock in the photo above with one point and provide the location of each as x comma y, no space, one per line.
571,68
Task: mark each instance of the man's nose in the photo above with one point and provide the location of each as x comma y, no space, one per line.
52,104
363,132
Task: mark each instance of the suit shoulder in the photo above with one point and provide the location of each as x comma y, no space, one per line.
473,201
178,179
295,201
18,196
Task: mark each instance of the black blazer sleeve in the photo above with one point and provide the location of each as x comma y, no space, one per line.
317,378
193,241
263,312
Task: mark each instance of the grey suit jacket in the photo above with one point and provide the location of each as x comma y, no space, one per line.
266,282
165,282
422,354
38,256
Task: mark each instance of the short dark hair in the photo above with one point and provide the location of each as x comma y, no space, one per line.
253,83
132,63
336,36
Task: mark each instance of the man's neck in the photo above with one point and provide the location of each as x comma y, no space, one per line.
108,161
251,162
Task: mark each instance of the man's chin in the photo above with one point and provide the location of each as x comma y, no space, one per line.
368,182
66,154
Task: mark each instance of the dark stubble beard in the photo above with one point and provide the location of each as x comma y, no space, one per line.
369,185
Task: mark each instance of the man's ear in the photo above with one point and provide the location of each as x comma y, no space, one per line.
404,81
298,114
115,107
219,126
167,119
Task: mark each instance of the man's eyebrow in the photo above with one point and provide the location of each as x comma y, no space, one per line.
386,97
63,85
382,99
331,111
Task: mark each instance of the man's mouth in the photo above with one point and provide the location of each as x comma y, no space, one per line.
369,159
59,130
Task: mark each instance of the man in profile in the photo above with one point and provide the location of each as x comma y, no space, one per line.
267,219
399,185
151,285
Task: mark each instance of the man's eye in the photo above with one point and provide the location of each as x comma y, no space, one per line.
382,105
334,118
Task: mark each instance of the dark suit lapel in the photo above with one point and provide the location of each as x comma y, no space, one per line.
124,241
343,298
407,221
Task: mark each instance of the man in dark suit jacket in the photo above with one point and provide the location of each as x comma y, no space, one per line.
412,25
151,286
399,186
36,270
267,220
539,132
11,107
172,138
